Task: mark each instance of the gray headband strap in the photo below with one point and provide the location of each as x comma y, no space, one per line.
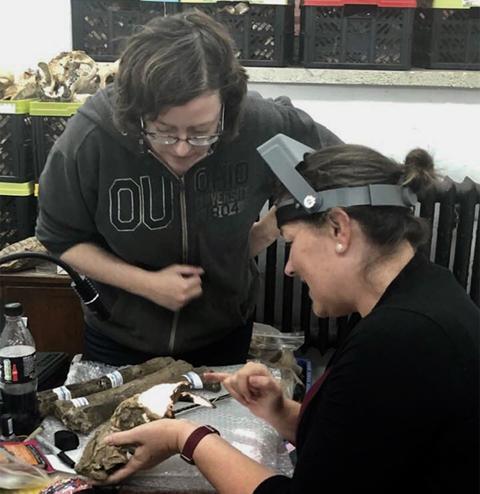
283,154
365,195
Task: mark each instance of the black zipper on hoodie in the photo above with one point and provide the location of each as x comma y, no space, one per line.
183,218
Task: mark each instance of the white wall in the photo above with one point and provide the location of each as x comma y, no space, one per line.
392,120
33,31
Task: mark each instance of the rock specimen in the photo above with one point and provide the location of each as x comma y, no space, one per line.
99,460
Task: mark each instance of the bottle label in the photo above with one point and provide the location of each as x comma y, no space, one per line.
19,370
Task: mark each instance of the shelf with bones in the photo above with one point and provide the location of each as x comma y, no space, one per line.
70,76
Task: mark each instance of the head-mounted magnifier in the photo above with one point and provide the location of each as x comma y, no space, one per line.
283,154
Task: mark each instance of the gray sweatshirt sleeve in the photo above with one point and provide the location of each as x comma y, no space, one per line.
324,136
66,202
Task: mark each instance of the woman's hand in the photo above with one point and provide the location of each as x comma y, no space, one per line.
175,286
154,442
172,287
254,387
263,232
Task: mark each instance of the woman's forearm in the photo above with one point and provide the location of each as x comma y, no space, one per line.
263,233
225,467
100,265
286,421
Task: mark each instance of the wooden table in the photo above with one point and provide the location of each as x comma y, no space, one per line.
54,313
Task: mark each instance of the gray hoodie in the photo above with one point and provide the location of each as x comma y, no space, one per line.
103,187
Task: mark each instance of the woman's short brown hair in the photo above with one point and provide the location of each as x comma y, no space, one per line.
172,60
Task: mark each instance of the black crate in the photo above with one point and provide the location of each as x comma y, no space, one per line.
45,131
16,164
17,218
356,36
263,33
100,27
447,38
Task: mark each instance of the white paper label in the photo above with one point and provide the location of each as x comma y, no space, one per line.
63,393
194,379
115,378
80,402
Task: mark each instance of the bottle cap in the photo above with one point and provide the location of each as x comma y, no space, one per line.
66,440
13,309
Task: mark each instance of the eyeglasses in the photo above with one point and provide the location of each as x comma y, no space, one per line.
196,141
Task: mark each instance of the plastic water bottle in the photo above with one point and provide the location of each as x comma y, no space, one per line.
18,378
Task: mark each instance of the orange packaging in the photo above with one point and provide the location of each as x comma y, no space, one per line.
27,451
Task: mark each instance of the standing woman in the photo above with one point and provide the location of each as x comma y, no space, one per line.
153,192
397,409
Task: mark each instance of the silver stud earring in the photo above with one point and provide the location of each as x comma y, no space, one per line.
339,248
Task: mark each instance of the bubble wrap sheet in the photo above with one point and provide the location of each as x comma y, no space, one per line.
237,425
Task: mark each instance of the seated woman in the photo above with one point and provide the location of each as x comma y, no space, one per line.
397,409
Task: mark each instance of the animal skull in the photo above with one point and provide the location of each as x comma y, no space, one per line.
67,74
106,73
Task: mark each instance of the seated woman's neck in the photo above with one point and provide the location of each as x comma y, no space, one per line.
386,269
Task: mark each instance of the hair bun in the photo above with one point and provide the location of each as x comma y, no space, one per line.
419,169
419,158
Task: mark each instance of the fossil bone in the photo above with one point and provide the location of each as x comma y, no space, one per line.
99,459
67,74
83,414
6,80
240,8
25,86
30,244
106,73
47,398
70,76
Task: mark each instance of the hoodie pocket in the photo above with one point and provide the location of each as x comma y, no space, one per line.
145,325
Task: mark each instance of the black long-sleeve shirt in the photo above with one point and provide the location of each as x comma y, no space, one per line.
399,409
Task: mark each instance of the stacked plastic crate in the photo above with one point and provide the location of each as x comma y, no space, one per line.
263,30
447,35
100,27
357,34
49,120
17,203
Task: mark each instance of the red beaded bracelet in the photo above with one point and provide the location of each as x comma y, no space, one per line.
193,439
